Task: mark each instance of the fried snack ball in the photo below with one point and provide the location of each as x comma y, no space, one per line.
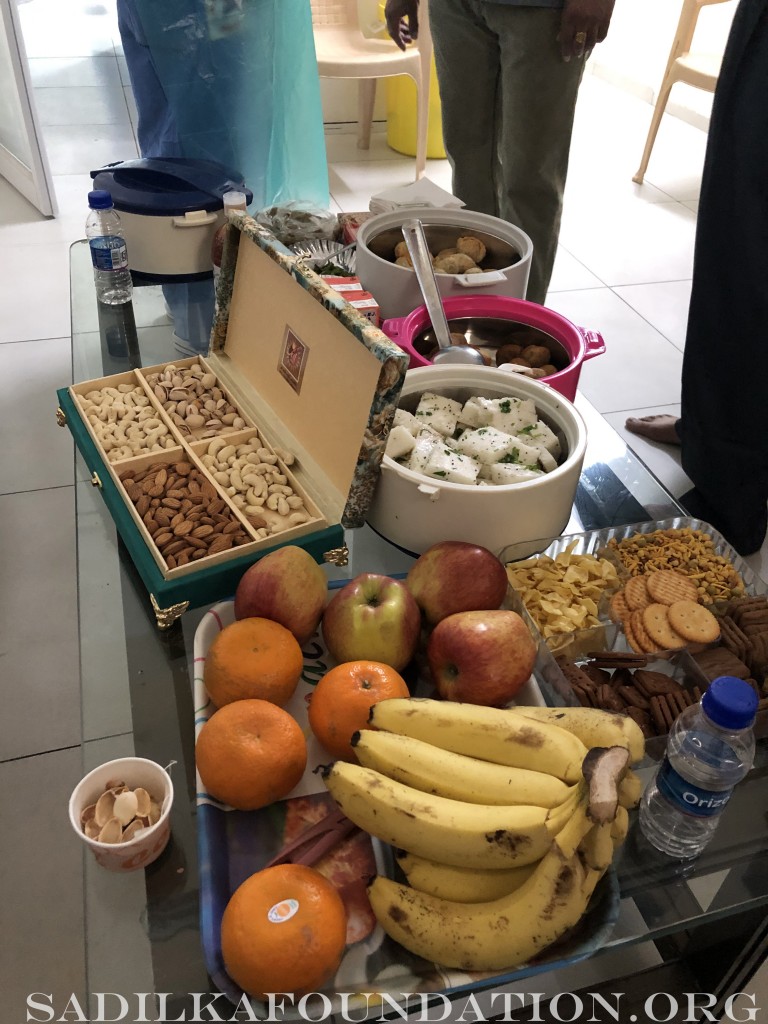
474,270
471,246
459,263
446,252
506,353
537,372
403,261
401,249
536,355
549,369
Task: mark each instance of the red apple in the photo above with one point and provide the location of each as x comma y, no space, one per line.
372,618
453,576
288,586
481,657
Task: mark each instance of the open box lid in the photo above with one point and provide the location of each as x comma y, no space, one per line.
319,379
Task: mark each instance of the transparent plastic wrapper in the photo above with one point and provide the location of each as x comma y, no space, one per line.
240,78
298,222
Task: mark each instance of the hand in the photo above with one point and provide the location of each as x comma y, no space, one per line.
583,24
402,17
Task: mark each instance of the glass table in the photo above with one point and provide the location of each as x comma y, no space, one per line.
136,698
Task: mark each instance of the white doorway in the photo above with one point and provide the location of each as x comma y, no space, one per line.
23,161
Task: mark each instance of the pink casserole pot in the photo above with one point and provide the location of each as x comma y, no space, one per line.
490,322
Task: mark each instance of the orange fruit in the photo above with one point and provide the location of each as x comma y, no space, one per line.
250,753
283,930
253,659
342,700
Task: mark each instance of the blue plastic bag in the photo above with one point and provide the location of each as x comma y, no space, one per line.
233,81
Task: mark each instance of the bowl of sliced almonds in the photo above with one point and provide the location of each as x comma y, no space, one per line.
121,810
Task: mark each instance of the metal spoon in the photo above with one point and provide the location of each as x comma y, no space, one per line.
413,233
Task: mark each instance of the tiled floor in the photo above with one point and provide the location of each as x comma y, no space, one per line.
623,268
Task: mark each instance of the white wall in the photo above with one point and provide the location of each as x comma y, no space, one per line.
633,57
635,53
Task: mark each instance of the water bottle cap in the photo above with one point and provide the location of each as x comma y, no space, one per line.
730,703
100,200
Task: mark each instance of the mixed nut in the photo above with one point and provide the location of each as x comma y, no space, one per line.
120,814
191,397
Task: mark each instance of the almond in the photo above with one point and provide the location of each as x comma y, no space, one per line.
221,543
162,538
161,478
202,531
183,529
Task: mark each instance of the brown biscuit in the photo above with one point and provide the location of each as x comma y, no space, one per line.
572,672
693,622
599,676
719,662
641,633
621,677
608,699
653,684
636,593
643,719
667,586
662,714
657,623
733,638
633,697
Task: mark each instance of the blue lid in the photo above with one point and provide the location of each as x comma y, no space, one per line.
730,703
100,200
168,186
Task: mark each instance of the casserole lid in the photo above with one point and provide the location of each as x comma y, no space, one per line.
171,186
315,374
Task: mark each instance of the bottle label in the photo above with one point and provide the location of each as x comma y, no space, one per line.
109,252
690,799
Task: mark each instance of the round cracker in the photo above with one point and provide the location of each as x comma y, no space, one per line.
659,628
667,586
693,621
636,593
641,634
632,640
619,607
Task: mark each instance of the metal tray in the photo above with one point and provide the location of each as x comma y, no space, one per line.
233,844
609,635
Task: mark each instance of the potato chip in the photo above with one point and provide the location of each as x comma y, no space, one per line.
562,594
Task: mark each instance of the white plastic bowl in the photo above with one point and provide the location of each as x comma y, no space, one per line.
150,843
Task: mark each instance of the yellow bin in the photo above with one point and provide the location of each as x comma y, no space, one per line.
401,116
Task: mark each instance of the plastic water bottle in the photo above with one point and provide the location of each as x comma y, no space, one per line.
109,254
710,748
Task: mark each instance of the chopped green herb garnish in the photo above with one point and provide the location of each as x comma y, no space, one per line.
528,430
506,405
439,472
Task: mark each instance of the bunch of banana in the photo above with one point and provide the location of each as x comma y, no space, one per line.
504,821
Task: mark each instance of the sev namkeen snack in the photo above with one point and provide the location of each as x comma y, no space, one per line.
562,594
686,551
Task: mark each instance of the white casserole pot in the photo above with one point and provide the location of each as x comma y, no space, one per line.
507,262
414,511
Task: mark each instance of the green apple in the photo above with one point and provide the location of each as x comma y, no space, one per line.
372,618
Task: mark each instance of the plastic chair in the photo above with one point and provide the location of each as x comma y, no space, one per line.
700,70
344,52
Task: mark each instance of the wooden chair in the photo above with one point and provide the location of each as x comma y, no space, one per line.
344,52
697,69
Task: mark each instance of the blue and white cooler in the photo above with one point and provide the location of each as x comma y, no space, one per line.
170,209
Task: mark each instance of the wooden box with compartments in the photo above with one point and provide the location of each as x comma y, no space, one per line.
275,437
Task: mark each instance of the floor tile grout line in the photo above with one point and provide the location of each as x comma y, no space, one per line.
38,490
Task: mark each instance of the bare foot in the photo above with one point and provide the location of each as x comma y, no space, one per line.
661,428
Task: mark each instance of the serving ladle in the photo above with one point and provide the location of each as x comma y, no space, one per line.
421,258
